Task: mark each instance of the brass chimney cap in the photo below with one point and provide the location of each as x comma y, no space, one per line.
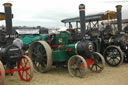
7,4
118,6
81,7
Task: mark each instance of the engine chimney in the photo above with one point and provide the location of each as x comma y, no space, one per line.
8,18
82,19
119,17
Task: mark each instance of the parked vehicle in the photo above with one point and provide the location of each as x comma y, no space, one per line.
67,48
108,39
10,54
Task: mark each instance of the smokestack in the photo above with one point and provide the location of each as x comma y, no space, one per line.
82,19
119,17
8,18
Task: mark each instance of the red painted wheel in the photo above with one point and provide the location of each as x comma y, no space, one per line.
99,62
26,66
2,74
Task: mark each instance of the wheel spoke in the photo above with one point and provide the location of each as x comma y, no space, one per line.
26,63
22,72
96,67
24,60
74,66
99,66
110,59
98,60
78,63
35,62
26,76
33,53
114,61
75,72
28,73
38,64
80,72
44,59
43,64
42,49
117,59
92,66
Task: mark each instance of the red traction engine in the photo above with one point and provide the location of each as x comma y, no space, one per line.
11,56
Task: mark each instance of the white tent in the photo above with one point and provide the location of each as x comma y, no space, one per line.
62,29
27,31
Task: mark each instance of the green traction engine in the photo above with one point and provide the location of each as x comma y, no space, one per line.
67,48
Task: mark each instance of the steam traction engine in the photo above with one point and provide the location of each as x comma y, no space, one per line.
116,44
112,42
10,54
63,48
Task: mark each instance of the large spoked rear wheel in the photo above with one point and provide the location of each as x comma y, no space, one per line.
40,53
26,65
2,74
99,62
113,55
77,66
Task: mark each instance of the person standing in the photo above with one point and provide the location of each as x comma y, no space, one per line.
2,36
18,42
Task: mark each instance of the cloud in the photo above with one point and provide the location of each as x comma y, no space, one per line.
116,1
50,12
44,23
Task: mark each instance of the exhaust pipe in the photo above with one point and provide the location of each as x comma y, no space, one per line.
82,19
8,18
119,17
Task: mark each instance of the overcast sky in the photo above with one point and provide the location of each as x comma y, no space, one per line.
49,13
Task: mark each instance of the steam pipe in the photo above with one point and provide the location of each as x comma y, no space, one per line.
119,17
82,19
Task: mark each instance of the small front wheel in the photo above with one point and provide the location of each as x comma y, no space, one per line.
77,66
99,62
26,68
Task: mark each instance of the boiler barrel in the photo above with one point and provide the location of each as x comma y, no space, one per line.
83,48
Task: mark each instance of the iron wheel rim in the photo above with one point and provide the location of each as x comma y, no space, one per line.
77,66
2,73
113,56
25,63
99,62
40,58
44,60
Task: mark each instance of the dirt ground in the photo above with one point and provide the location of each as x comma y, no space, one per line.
60,76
